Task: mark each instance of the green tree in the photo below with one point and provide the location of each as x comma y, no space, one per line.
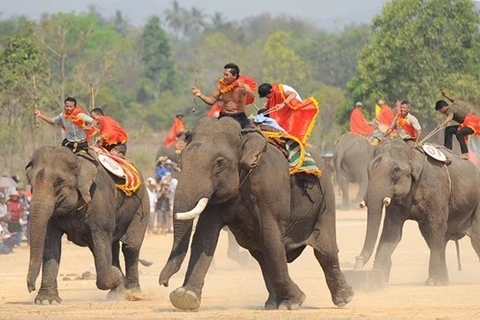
159,69
284,64
21,60
418,47
175,18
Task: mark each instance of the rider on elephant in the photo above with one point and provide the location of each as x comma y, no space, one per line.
383,116
111,134
237,91
406,124
468,124
358,123
299,118
77,124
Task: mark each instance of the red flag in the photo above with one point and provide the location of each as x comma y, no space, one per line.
111,131
176,128
297,118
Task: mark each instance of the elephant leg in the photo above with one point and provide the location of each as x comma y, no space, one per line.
116,255
343,184
271,303
131,245
48,292
234,253
362,189
391,236
289,296
434,235
108,276
474,233
204,243
326,253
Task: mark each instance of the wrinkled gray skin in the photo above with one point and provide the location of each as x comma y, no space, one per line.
444,200
62,184
350,158
265,210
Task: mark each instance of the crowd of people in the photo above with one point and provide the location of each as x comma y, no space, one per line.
14,213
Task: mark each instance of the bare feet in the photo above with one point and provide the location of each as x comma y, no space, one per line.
464,156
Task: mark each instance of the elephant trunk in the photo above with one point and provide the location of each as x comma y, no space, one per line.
186,208
375,203
41,211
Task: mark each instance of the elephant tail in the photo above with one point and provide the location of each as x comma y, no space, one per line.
459,263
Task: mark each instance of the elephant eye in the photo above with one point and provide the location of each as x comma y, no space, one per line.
219,162
396,169
58,182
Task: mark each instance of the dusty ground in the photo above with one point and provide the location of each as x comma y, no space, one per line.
232,292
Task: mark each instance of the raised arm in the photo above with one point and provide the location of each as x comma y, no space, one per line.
208,100
45,118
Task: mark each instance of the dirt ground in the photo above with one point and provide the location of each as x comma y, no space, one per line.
233,292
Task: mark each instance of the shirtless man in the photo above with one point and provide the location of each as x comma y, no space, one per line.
234,90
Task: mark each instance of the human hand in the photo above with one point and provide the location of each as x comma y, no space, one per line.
196,92
36,112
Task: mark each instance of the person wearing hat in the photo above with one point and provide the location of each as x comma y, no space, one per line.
468,124
164,207
358,123
152,196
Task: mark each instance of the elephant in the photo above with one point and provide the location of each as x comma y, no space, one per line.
234,178
74,195
351,156
442,197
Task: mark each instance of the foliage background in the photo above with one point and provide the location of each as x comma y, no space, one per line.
142,75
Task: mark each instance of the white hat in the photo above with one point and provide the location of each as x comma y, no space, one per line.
358,103
151,180
14,193
168,161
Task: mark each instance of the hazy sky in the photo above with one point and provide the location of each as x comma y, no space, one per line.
326,13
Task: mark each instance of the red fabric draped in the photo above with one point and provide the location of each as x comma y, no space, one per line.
473,122
111,132
215,110
386,115
402,123
241,79
358,123
79,122
176,128
297,118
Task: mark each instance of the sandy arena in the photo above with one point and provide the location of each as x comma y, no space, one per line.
233,292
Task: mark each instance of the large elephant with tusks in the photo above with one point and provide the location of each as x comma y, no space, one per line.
74,195
235,178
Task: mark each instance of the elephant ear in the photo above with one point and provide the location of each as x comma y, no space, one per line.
254,144
86,172
417,162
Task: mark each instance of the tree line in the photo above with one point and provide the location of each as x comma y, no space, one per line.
142,75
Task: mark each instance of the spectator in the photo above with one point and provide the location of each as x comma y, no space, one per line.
7,241
163,207
152,195
15,211
3,207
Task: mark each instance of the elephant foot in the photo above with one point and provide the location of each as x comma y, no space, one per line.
271,303
292,303
436,282
343,296
116,294
45,297
110,280
185,299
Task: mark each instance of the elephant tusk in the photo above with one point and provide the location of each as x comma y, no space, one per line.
362,205
195,212
386,201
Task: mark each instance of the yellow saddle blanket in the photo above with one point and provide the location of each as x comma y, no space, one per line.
131,176
299,160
